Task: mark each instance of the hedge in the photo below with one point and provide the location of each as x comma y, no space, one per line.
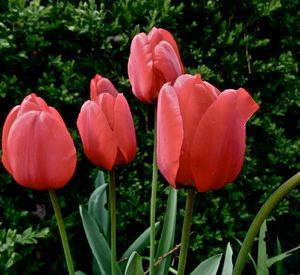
54,48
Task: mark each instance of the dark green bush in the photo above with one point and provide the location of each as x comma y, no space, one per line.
54,48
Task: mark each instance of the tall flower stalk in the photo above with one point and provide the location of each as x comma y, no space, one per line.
263,213
112,209
62,231
185,233
153,196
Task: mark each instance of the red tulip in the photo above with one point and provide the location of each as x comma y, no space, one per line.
37,149
106,126
201,133
154,60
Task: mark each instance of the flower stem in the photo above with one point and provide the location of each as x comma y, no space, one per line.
263,213
190,199
153,197
112,208
62,231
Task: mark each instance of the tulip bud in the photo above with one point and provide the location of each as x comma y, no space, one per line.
154,60
106,126
37,149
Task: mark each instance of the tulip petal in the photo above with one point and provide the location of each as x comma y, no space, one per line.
6,128
157,35
107,103
99,142
169,133
194,99
40,151
166,62
140,68
99,85
219,144
124,129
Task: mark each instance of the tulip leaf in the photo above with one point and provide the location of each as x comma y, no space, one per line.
134,265
262,255
79,273
281,256
139,244
166,242
97,205
209,266
228,265
97,242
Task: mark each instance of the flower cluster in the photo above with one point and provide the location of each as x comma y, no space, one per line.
200,134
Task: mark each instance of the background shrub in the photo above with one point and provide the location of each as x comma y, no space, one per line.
54,48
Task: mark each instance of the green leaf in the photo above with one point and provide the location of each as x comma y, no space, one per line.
262,255
209,266
134,265
140,243
228,265
97,242
166,242
97,206
281,256
279,265
79,273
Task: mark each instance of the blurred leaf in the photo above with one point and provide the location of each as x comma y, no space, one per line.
134,265
279,265
281,256
227,265
209,266
262,256
166,242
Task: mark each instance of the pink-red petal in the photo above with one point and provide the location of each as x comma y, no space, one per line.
194,99
169,133
40,151
140,68
99,142
99,85
124,129
218,148
166,62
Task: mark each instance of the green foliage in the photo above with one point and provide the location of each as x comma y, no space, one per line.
54,48
10,241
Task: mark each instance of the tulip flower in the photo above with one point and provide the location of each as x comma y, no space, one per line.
37,149
106,126
154,60
201,133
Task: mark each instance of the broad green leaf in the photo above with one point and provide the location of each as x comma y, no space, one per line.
228,266
97,208
281,256
262,255
140,243
209,266
134,265
79,273
166,242
97,242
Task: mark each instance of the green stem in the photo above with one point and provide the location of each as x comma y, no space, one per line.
186,230
153,197
263,213
112,208
62,231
